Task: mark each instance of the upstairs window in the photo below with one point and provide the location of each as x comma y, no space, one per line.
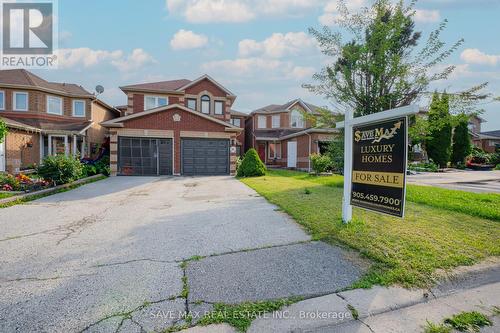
236,122
205,104
191,103
219,107
261,122
21,101
2,100
296,119
276,121
78,108
151,102
54,105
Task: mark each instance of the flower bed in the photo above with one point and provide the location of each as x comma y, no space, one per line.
22,183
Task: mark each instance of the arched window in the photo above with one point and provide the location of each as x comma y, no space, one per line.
205,104
296,120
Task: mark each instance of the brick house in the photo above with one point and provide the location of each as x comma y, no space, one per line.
177,127
488,141
46,118
238,119
282,136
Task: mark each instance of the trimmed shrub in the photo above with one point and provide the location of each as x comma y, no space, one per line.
60,169
462,146
320,163
251,166
336,153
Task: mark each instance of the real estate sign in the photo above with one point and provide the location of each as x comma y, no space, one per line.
379,157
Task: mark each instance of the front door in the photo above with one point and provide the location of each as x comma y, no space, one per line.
292,154
2,156
262,152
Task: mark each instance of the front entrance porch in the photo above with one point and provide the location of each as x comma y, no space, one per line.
270,152
59,143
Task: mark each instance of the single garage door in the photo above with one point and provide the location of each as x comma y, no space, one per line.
205,157
144,156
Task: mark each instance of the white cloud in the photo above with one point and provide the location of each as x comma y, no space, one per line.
257,67
86,57
186,39
475,56
235,11
427,16
278,45
331,14
137,59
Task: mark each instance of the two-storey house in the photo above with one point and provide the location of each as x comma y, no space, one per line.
283,137
177,127
46,118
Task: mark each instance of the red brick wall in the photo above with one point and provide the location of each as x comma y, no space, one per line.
164,121
208,86
138,100
22,149
37,103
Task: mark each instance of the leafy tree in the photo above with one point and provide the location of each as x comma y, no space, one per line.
379,67
438,145
251,166
336,152
462,146
3,130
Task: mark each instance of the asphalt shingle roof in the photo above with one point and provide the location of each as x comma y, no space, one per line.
171,85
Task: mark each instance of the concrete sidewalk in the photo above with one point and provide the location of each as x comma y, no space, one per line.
381,310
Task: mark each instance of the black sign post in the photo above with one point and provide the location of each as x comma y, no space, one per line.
379,159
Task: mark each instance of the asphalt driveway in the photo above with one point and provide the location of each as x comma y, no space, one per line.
107,256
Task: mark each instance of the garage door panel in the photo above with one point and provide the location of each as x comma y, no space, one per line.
144,156
205,157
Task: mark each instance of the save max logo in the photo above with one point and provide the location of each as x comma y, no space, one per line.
377,134
28,34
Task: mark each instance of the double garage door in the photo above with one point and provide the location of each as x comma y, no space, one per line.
151,157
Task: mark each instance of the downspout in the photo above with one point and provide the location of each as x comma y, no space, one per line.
309,156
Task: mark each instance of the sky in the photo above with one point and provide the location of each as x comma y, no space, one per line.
259,49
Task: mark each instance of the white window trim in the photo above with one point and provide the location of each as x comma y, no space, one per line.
209,103
3,94
84,106
60,113
14,103
233,120
276,155
156,97
276,116
258,121
299,124
215,109
195,103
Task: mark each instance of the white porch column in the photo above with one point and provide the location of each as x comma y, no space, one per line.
66,148
50,144
82,149
74,145
40,136
346,200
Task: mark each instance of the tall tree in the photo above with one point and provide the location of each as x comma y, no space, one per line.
380,66
462,146
438,144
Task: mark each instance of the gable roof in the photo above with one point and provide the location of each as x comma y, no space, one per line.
25,79
118,122
492,134
166,86
238,113
174,86
276,108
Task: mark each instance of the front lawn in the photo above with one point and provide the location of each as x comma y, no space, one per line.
405,252
4,195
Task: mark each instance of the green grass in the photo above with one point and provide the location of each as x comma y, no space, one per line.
468,321
436,328
405,252
39,196
240,316
485,205
5,195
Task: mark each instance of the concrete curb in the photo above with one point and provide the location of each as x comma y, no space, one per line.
49,190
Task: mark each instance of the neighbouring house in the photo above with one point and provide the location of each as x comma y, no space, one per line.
283,138
488,141
238,119
177,127
47,118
